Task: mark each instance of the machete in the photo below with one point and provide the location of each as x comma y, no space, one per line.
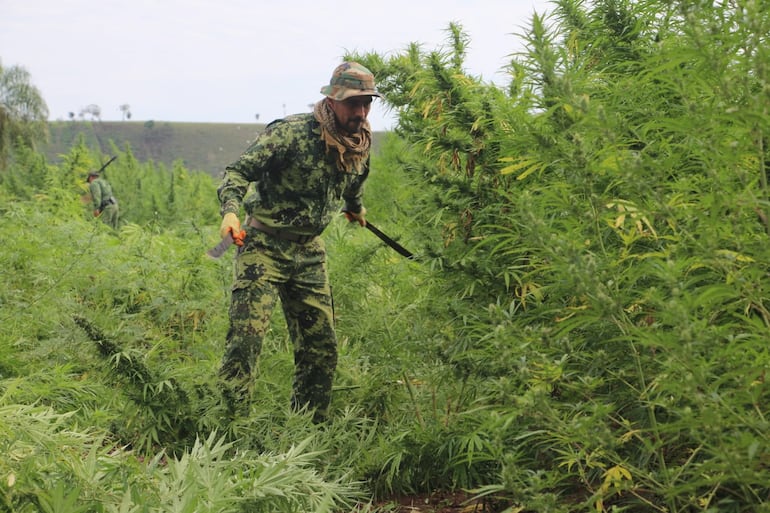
219,250
401,250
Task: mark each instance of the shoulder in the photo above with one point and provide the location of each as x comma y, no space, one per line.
296,123
292,133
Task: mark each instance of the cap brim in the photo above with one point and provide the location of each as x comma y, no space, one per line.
343,93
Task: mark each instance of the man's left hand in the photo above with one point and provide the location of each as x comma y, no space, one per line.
356,216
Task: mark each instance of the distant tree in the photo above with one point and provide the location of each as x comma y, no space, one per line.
23,112
92,110
257,116
126,110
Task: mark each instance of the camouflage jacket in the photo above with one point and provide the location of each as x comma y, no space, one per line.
101,193
297,184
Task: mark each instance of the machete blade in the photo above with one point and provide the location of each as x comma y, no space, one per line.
401,250
219,250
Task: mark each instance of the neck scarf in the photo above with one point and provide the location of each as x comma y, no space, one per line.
352,150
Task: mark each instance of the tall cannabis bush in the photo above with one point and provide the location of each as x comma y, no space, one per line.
604,222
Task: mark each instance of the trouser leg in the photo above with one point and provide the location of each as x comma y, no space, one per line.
250,312
307,306
110,216
251,306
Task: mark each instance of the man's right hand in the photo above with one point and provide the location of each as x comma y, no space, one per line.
232,225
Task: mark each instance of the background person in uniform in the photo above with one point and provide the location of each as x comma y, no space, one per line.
304,167
105,204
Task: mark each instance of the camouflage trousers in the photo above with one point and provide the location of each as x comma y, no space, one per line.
266,269
111,216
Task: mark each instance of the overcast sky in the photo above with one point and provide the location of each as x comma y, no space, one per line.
229,60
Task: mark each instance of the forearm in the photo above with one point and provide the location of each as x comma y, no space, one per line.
353,197
354,193
230,193
97,201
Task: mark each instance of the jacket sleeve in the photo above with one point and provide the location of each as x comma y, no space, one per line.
264,154
96,194
354,193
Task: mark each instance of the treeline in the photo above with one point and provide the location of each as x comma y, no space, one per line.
206,147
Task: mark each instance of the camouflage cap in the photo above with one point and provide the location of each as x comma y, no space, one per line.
350,79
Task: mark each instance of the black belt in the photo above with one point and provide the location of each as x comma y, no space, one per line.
280,234
110,201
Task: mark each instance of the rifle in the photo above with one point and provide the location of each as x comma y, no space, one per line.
104,166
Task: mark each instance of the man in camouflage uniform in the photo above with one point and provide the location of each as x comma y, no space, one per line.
303,167
105,204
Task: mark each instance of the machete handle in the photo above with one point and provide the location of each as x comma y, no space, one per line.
238,237
351,217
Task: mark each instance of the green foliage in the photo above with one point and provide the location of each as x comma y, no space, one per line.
603,250
51,468
125,339
584,327
23,113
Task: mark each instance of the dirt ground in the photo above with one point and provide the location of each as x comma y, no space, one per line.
440,502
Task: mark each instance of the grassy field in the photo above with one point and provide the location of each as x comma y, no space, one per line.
206,147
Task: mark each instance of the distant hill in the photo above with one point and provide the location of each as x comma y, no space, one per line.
206,147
